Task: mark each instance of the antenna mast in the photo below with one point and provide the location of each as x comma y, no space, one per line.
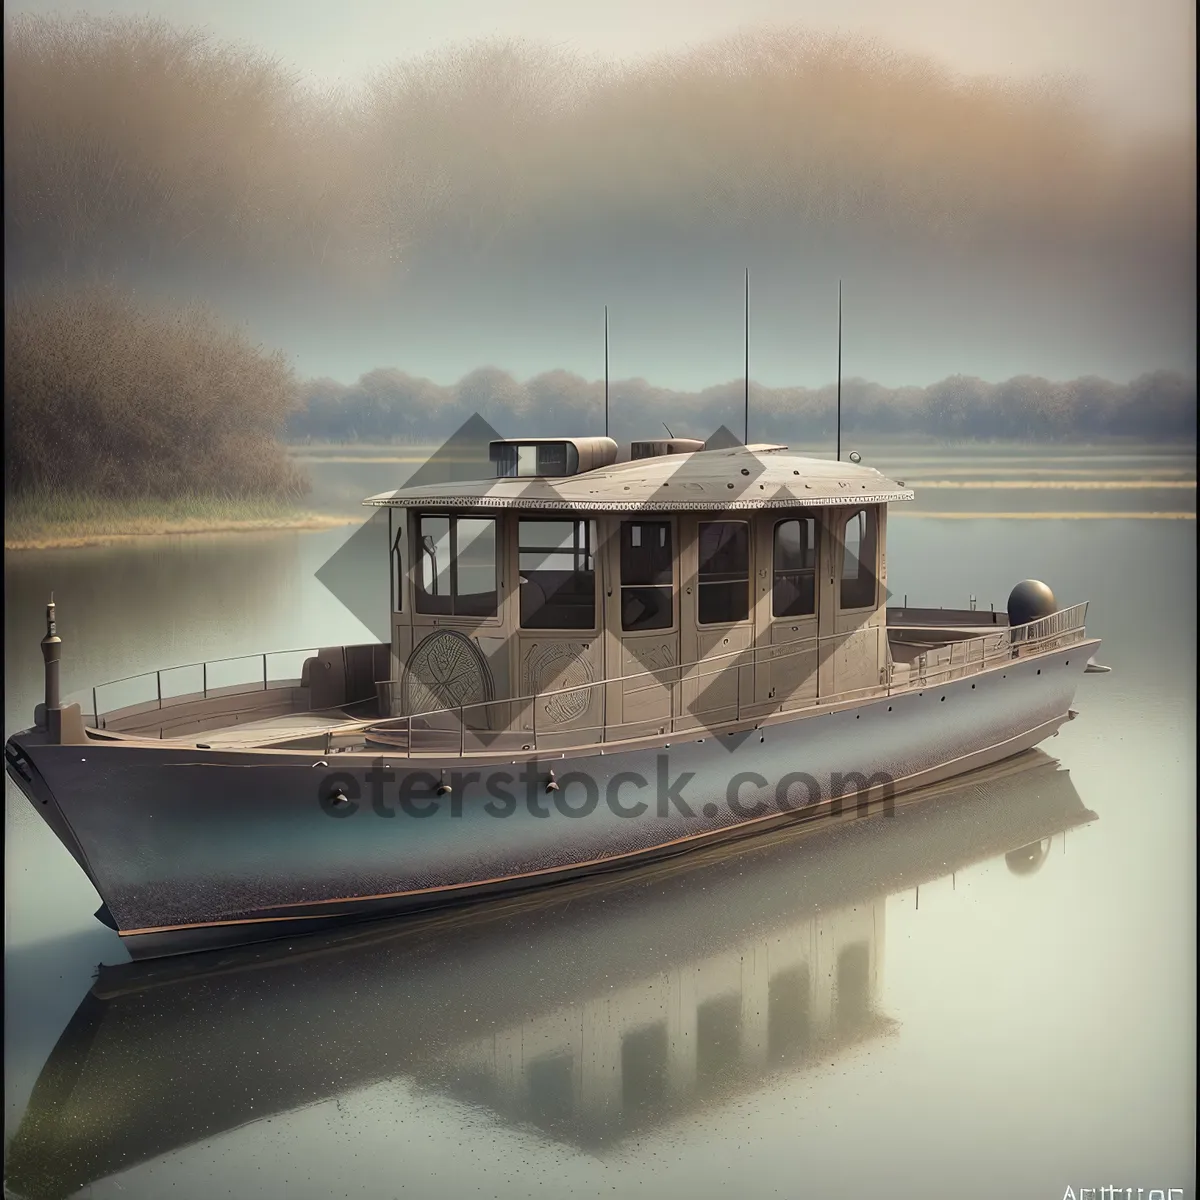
746,395
839,375
606,370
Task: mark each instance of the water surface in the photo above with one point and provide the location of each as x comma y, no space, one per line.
991,993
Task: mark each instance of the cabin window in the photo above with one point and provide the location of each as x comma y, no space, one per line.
534,459
557,561
397,573
859,536
457,575
723,577
794,590
647,575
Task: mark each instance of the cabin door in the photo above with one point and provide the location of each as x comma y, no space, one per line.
859,646
642,625
717,563
559,643
787,579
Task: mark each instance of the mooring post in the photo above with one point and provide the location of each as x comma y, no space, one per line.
51,652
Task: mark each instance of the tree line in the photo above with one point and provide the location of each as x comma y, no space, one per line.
389,405
108,394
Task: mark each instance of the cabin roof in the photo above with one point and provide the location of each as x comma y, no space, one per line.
744,477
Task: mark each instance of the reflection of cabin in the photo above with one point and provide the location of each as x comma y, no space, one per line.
569,569
696,1032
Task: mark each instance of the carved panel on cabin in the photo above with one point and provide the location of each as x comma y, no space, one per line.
552,666
792,662
648,655
710,688
856,658
647,698
445,670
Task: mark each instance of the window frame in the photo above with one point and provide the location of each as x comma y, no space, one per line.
814,570
588,548
397,561
672,586
701,582
419,559
871,537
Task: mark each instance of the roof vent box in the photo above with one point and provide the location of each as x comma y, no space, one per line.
525,458
658,448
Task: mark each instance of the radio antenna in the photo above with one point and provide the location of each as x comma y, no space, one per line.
839,375
606,370
746,392
668,429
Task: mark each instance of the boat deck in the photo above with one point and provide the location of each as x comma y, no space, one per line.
255,733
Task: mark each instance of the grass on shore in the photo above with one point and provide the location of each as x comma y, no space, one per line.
38,521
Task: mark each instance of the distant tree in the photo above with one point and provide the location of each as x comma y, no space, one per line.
103,394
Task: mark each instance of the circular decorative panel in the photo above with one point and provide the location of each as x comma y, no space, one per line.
444,671
552,667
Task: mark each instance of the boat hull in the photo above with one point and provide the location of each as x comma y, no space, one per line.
196,849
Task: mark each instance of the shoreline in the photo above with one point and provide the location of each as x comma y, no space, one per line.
314,522
68,539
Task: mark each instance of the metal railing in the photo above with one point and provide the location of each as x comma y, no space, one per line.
486,726
148,691
1057,624
493,726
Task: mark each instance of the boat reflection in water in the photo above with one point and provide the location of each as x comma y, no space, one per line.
591,1014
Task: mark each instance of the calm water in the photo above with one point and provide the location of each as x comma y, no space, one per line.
897,1007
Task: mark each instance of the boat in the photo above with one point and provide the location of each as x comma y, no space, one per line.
700,981
596,659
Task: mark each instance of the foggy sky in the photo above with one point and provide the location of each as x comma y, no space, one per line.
1138,60
681,324
1058,307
